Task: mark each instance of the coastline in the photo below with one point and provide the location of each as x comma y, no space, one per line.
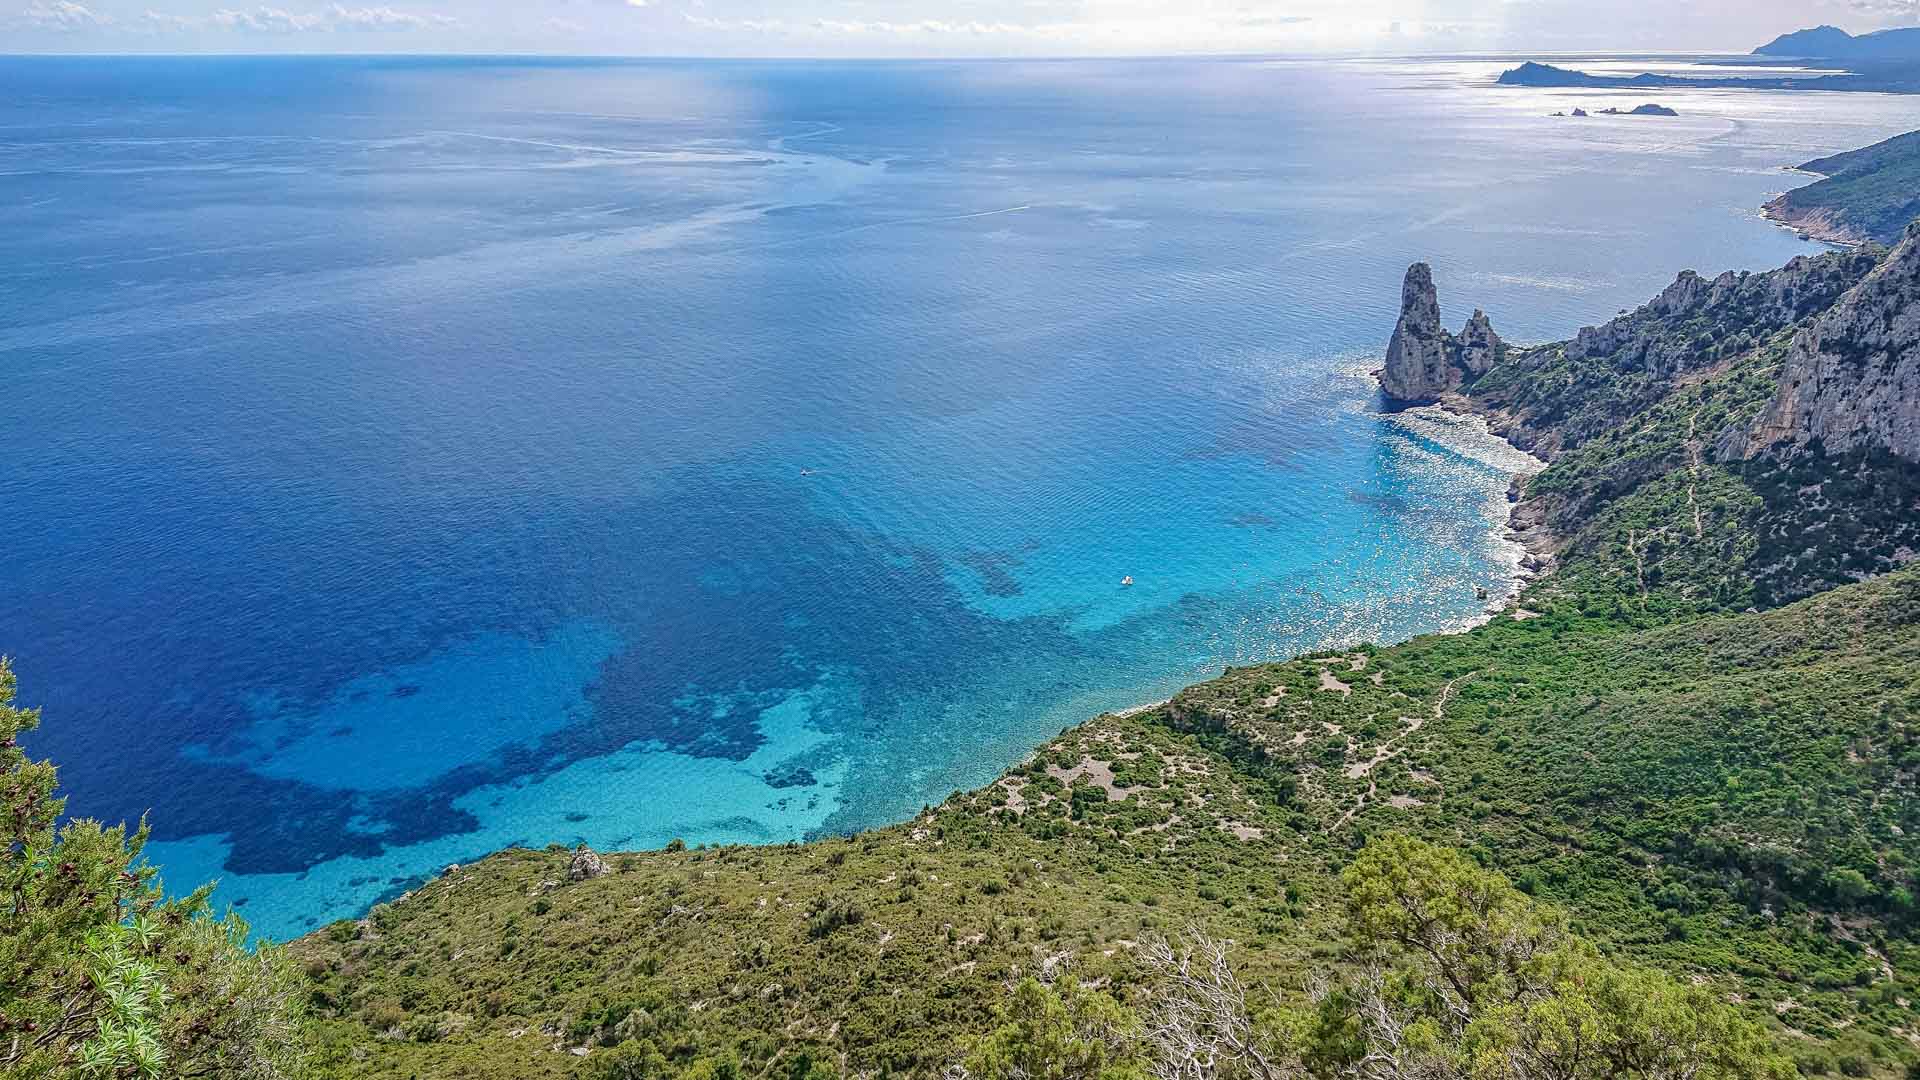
1527,517
1532,543
1817,223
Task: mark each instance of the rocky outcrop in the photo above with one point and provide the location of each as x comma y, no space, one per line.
1418,356
1696,322
1852,378
1424,361
1479,345
586,865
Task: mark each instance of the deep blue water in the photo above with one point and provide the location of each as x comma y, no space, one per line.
406,458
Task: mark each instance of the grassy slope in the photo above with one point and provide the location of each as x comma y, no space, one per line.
1726,793
1874,191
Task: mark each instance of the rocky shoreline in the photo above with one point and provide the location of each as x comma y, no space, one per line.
1527,517
1811,223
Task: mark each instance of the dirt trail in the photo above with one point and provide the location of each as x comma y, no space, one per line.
1693,470
1393,747
1639,565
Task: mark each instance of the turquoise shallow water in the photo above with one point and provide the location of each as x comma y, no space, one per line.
418,457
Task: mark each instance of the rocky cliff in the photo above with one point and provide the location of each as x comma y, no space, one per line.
1695,322
1552,398
1852,378
1424,361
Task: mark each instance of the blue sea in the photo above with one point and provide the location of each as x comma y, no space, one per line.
406,458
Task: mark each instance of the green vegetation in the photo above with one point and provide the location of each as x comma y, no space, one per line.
1060,1032
1457,976
1872,192
100,974
1653,526
1465,977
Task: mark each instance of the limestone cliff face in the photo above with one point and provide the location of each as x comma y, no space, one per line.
1852,378
1424,361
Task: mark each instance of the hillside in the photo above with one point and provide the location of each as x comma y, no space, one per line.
1867,195
1833,43
1699,738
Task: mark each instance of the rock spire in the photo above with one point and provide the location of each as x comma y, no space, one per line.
1424,361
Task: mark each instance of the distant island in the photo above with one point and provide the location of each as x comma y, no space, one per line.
1867,195
1833,43
1644,110
1894,79
1887,61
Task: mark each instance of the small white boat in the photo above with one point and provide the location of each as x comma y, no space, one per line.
1128,580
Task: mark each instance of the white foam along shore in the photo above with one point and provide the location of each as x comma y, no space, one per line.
1467,434
1524,549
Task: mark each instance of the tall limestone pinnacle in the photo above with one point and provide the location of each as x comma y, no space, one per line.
1852,378
1424,361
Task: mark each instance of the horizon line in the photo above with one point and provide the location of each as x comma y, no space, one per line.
910,58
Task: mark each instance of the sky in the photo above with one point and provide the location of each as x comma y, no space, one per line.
929,28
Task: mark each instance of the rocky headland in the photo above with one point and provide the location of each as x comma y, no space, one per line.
1819,358
1862,196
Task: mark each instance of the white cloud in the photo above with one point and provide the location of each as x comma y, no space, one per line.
1899,9
384,18
160,22
264,20
1119,31
565,26
64,15
272,20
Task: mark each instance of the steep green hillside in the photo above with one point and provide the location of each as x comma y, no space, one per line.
1699,738
1653,524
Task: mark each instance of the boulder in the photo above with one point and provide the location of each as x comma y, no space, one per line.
586,864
